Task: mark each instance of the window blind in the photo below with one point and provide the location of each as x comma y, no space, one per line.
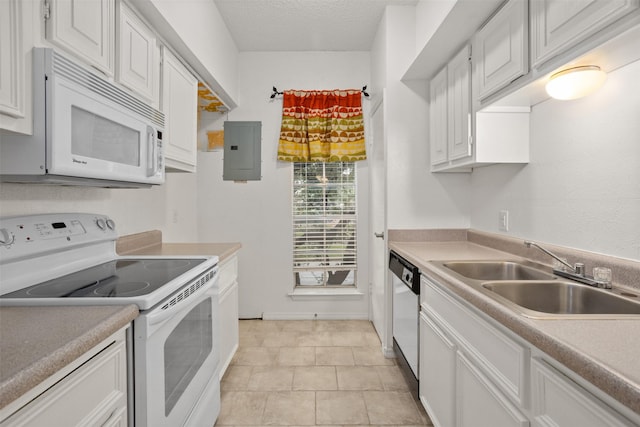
324,224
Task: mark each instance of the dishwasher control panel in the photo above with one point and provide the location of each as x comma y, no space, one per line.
405,271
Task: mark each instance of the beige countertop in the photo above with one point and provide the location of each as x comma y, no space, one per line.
36,342
603,352
150,243
221,250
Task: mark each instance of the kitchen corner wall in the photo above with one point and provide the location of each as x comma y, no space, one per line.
258,213
416,198
170,207
581,188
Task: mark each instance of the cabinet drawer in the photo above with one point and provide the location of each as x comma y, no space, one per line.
559,402
93,394
228,273
505,360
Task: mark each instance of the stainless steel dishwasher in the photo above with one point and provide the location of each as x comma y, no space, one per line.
406,313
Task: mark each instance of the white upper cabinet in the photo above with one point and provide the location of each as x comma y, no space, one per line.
450,111
138,66
84,28
438,118
15,65
558,25
180,106
501,48
459,105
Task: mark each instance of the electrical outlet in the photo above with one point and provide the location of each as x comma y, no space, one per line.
503,220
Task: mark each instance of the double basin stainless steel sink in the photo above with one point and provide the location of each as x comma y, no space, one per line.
536,293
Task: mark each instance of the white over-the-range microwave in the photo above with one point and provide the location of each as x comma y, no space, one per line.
86,131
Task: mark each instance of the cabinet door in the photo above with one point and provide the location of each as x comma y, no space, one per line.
229,331
480,403
84,28
12,62
459,105
179,104
438,118
437,373
137,66
95,394
559,402
557,25
502,48
16,41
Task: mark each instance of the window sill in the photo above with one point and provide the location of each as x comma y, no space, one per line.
330,294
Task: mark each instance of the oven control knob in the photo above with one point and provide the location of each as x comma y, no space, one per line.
6,238
101,224
111,225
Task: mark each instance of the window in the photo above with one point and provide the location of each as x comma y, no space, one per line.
324,224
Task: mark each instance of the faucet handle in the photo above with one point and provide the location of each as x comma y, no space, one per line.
579,268
602,275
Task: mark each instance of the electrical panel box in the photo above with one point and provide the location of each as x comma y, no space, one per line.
242,148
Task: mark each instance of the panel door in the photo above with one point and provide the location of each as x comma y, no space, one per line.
459,105
179,104
502,48
437,373
84,28
380,295
480,403
137,64
557,25
438,118
559,402
11,61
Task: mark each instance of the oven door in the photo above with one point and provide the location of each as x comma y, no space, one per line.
175,357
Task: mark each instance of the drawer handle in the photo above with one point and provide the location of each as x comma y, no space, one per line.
110,417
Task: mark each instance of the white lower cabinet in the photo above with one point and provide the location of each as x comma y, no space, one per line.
479,402
229,326
94,394
476,373
437,373
560,402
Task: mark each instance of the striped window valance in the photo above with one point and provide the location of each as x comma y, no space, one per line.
322,126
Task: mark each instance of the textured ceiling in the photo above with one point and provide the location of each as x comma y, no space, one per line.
304,25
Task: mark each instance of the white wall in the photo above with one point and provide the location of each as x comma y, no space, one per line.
429,15
258,213
582,186
170,208
416,198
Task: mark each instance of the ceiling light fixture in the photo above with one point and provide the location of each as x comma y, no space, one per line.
576,82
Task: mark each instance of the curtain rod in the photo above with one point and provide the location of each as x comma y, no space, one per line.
275,92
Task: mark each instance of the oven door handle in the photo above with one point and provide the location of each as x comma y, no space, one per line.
160,315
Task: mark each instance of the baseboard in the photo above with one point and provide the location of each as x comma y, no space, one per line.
315,316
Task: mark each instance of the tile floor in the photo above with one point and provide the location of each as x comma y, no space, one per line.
312,373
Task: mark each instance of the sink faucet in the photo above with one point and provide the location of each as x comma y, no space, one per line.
575,268
577,272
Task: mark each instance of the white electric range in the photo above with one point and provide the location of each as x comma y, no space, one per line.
70,259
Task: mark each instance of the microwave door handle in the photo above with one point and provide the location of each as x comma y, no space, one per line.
152,163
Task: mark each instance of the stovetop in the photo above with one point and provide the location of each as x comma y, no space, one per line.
113,279
70,259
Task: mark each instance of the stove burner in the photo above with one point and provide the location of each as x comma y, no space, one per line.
60,289
121,289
